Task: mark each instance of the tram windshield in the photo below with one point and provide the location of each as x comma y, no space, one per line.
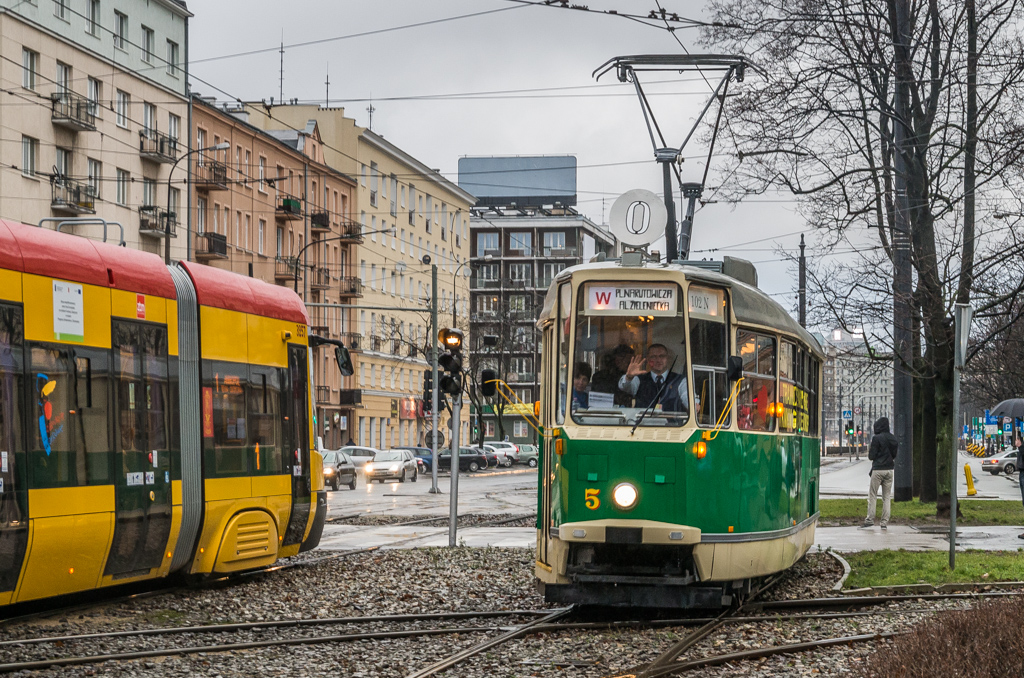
629,363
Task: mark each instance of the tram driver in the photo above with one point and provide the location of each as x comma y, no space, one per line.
645,383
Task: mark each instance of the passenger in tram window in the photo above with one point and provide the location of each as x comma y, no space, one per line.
606,380
580,381
645,383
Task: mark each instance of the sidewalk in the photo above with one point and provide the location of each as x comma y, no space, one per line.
842,539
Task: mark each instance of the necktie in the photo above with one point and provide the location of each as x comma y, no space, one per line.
658,381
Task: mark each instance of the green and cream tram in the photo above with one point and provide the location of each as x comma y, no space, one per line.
680,435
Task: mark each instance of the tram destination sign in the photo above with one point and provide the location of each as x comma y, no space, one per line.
632,299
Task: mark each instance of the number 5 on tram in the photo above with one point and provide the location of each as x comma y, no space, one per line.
680,414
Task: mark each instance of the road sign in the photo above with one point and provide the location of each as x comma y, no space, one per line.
965,429
847,414
428,438
856,410
1006,427
989,419
990,429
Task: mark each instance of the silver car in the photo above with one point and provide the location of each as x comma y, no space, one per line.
1002,462
360,455
397,465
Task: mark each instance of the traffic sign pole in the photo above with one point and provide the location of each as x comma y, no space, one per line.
433,368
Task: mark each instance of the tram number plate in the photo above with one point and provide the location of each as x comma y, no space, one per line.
590,496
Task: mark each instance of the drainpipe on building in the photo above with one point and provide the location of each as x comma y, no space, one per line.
188,126
305,225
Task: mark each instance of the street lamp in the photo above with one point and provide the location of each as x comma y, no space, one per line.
223,146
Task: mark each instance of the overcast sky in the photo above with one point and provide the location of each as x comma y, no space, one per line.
517,48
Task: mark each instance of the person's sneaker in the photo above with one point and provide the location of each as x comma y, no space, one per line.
884,526
1020,536
868,523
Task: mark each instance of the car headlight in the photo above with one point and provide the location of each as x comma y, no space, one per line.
369,468
394,468
329,471
624,495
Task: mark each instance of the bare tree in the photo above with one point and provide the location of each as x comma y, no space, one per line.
821,125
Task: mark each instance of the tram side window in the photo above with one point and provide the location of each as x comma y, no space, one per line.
58,455
793,389
92,376
13,499
564,308
265,420
813,412
708,353
755,403
225,423
140,364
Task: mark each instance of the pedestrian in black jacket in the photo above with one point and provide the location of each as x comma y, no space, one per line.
882,454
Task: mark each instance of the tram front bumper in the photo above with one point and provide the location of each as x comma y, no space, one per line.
612,531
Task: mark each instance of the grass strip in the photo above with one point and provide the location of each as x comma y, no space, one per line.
896,568
974,512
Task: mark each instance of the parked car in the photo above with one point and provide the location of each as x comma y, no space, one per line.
338,470
1003,462
470,459
511,450
392,464
360,455
422,455
529,454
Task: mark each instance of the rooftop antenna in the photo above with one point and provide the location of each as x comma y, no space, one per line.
280,87
327,83
370,109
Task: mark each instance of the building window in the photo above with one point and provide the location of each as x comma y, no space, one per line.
173,126
262,173
200,144
95,93
519,243
149,118
429,214
29,155
200,216
248,227
92,17
30,68
95,176
63,80
487,243
280,241
62,163
149,193
148,44
262,232
123,101
521,273
555,240
120,29
123,178
173,202
172,58
60,9
520,429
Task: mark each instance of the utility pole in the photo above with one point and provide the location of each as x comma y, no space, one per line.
903,386
433,368
803,284
453,500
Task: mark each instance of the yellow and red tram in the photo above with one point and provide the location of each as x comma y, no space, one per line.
153,419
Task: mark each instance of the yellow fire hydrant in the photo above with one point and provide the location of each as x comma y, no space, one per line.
970,481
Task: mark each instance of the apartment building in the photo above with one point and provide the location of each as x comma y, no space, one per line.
265,204
92,121
854,382
407,211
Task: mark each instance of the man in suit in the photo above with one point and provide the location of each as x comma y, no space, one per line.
644,384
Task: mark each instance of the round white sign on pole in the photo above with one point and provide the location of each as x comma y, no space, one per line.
638,217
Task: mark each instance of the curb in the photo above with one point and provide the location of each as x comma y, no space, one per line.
846,570
926,589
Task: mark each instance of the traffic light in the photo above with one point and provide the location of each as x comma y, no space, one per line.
428,391
451,361
849,427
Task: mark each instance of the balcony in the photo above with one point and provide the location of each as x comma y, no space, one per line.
520,252
72,197
350,396
285,267
211,176
483,316
319,277
210,246
560,252
73,111
352,340
350,287
352,230
289,208
522,378
485,283
320,222
157,147
488,253
157,224
323,395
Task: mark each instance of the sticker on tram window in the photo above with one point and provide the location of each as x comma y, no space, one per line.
705,303
591,498
68,312
632,299
150,478
3,462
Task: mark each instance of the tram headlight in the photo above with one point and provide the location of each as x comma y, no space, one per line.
624,495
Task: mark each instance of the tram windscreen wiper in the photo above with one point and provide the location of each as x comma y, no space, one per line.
656,400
